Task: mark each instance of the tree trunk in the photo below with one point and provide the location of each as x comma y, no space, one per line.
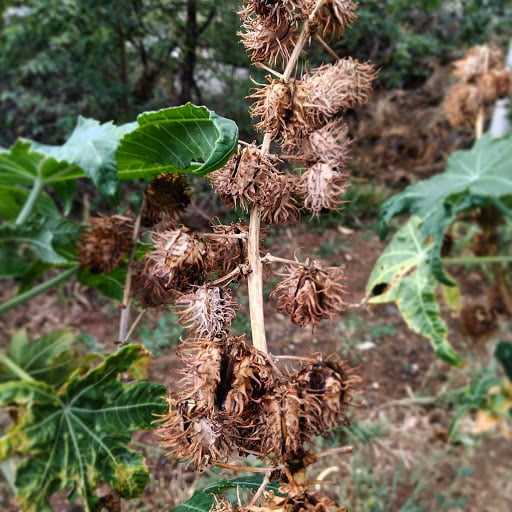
189,53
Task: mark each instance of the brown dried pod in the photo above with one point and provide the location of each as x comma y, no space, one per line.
230,252
149,290
310,293
322,188
295,501
477,322
252,176
166,196
326,387
194,437
268,39
207,310
179,258
329,144
249,378
336,16
478,61
276,9
497,83
104,242
462,104
273,106
332,89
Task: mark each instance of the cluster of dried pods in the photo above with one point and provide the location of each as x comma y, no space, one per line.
234,397
482,79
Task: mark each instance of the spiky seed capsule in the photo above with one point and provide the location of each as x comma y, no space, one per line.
104,242
336,16
497,83
462,104
322,188
329,144
310,293
149,290
207,310
252,176
179,259
478,61
165,197
268,39
230,252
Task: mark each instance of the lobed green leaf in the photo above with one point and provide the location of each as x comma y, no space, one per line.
402,275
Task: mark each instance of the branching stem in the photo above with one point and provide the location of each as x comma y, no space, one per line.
124,320
255,278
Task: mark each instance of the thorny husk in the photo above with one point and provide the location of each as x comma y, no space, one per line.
482,79
105,242
233,397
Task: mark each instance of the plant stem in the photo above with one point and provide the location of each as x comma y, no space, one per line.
30,202
255,278
19,372
124,320
477,260
33,292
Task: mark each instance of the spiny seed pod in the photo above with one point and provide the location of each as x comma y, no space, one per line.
336,16
252,176
274,9
207,310
165,196
322,188
478,61
294,501
329,144
194,438
273,106
149,290
310,293
497,83
178,258
462,104
331,90
268,39
104,242
326,387
230,252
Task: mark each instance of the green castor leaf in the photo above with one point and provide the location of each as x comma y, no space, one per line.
78,436
402,275
185,139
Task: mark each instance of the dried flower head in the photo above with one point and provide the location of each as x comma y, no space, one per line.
322,188
180,259
335,16
207,310
104,242
230,252
252,176
268,39
478,61
165,196
310,293
301,501
462,104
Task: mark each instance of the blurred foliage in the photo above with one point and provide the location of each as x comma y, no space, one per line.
406,38
107,59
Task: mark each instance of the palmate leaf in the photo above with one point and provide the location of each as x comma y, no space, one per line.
91,147
48,358
402,275
203,500
476,177
77,436
186,139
